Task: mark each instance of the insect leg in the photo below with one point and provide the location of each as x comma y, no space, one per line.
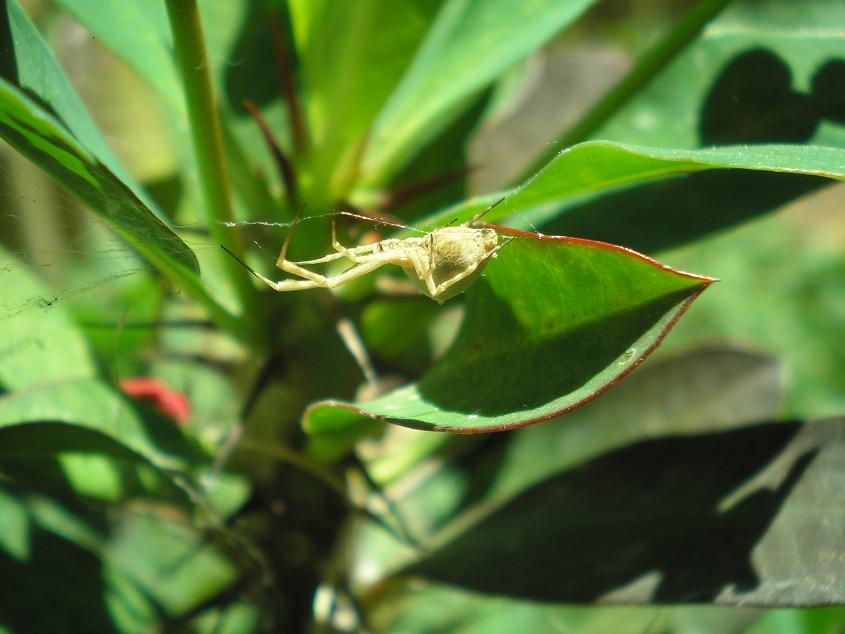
423,270
282,285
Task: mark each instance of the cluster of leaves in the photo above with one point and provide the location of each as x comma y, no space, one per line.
266,507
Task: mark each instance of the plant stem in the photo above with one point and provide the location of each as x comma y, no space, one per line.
654,60
207,140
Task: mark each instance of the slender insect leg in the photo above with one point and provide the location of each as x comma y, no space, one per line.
284,250
355,272
283,285
359,252
356,254
424,272
347,253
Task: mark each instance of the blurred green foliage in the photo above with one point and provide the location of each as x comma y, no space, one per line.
707,134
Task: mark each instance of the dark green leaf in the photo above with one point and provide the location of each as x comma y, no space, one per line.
675,519
49,568
553,323
95,406
696,392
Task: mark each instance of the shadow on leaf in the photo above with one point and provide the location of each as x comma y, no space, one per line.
660,521
753,101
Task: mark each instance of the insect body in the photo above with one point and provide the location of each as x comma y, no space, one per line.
442,264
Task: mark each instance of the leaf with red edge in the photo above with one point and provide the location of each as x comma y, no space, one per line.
552,323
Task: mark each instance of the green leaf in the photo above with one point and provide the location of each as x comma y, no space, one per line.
470,44
786,277
649,65
352,55
30,66
765,72
598,167
50,569
137,31
47,143
674,519
553,323
176,565
699,391
38,341
441,608
818,621
397,331
91,405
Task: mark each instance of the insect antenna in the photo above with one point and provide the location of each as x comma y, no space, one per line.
243,264
483,213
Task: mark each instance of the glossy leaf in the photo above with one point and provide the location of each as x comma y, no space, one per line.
553,323
598,167
470,43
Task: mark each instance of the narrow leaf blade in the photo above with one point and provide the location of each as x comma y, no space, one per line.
470,43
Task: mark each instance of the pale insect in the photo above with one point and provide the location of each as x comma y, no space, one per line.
441,264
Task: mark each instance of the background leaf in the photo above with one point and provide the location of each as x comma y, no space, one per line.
687,394
30,66
786,273
93,405
352,56
468,45
762,72
36,345
770,486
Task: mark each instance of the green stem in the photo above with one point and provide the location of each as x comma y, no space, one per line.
654,60
207,140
